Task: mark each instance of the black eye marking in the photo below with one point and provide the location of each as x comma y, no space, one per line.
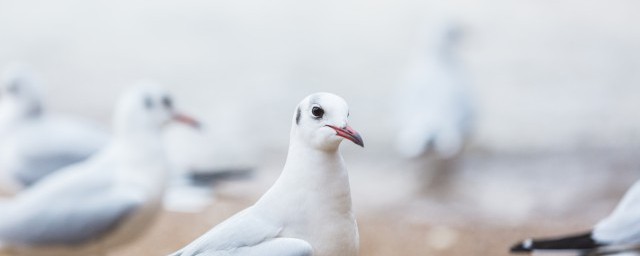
298,116
317,112
167,102
148,102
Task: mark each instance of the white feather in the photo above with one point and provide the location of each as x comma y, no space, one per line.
308,210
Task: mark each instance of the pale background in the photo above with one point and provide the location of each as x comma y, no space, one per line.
556,87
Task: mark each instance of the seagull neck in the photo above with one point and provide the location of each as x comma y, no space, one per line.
313,184
317,171
133,135
142,162
301,156
139,145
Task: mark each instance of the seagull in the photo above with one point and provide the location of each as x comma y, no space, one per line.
434,106
617,233
106,200
435,110
308,209
34,142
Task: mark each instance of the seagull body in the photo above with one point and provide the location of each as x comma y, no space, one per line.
34,142
434,105
619,232
308,210
100,203
36,148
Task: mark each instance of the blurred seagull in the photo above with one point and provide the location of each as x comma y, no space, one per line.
105,201
434,109
308,209
434,106
617,233
33,142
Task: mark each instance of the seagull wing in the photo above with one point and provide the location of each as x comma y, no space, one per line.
39,165
74,219
53,143
577,242
623,225
620,228
73,205
246,234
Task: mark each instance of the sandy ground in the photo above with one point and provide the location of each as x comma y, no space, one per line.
555,84
396,217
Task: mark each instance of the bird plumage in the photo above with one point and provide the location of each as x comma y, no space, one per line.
434,106
103,202
33,141
308,210
620,231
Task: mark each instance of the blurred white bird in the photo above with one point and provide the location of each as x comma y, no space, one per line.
308,210
34,142
434,110
617,233
434,107
105,201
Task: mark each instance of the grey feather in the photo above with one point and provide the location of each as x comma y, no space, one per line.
71,220
38,167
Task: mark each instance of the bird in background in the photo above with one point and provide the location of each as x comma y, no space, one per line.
105,201
617,234
33,141
435,109
434,102
308,210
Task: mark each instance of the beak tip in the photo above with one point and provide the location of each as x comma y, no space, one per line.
191,122
348,133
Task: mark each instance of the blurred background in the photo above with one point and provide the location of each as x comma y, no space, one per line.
553,88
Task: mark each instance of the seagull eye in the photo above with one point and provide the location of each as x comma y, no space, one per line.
317,112
167,102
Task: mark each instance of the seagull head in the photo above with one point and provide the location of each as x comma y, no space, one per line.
148,107
20,92
321,120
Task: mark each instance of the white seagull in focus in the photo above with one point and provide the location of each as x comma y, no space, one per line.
615,234
105,201
34,142
308,209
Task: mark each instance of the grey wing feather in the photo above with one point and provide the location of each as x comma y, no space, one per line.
65,221
38,167
53,143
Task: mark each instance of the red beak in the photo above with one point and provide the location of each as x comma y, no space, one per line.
348,133
185,119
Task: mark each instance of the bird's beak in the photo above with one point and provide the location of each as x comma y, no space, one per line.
348,133
185,119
